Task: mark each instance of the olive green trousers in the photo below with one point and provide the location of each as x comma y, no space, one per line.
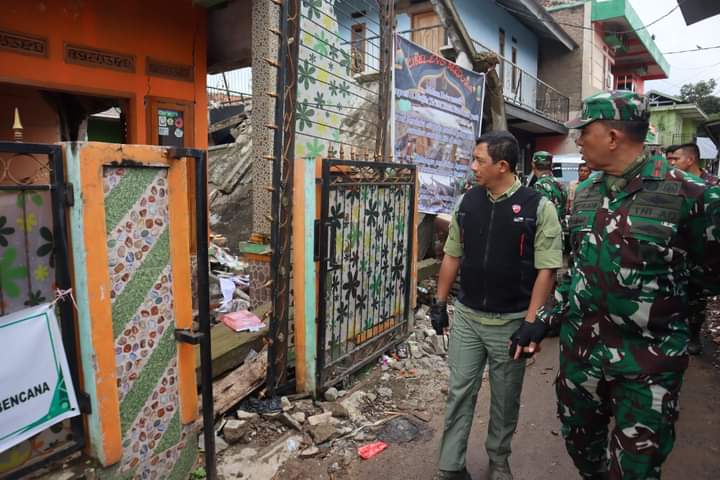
473,345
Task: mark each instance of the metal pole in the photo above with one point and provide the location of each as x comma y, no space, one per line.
282,178
203,281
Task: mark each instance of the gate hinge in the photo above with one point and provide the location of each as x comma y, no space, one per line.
184,335
69,195
84,403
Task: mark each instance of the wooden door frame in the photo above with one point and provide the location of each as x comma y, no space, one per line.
156,103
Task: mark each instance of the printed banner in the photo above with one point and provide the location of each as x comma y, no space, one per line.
36,389
438,111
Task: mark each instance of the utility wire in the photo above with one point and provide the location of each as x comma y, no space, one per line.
583,27
692,50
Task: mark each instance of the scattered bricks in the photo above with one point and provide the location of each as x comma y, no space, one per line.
299,417
331,394
234,430
336,409
309,452
289,421
243,415
320,419
322,433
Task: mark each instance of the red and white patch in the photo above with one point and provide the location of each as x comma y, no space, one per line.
516,209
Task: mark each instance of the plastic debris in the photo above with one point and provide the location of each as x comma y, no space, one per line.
368,451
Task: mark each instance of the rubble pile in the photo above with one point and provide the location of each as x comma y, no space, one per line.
392,405
229,279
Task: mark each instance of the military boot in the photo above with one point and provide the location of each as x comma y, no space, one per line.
598,476
452,475
500,471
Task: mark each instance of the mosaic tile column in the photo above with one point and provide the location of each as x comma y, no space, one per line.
155,443
265,15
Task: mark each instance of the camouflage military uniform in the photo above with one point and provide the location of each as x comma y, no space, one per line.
697,303
549,186
636,241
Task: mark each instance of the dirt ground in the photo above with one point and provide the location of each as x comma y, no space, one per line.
539,452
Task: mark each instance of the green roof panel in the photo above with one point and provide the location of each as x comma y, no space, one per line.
603,10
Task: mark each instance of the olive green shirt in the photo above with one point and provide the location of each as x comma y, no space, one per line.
547,245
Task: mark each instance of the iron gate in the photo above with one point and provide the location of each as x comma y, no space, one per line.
366,244
33,263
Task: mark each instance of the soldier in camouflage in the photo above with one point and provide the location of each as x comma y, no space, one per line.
547,185
639,231
686,157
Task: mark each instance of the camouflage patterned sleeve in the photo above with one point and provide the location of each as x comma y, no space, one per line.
704,252
453,244
539,187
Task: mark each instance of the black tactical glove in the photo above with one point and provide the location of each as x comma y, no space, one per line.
528,332
439,316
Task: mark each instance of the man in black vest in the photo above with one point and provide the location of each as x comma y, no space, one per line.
506,241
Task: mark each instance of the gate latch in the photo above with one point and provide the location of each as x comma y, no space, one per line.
185,335
84,404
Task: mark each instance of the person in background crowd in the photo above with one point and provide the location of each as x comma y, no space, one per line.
547,185
687,158
583,174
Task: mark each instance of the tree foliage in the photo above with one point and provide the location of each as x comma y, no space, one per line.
702,94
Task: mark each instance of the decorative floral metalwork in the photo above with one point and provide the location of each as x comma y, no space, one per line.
23,169
367,252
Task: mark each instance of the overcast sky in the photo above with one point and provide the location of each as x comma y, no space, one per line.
672,34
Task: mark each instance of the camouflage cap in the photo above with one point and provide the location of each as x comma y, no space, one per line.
542,159
614,105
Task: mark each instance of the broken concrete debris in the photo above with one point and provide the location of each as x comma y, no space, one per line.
331,394
299,417
320,419
322,433
389,406
234,430
310,452
385,392
290,421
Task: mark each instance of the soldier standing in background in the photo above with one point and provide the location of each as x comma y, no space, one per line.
687,158
547,185
583,174
640,230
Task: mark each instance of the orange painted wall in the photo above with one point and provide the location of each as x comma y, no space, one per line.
172,31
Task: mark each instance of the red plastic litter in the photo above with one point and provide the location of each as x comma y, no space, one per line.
371,449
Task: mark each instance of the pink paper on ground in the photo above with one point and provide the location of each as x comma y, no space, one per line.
242,321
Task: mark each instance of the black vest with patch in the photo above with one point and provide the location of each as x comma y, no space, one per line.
497,270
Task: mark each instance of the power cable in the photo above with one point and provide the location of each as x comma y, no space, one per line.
583,27
692,50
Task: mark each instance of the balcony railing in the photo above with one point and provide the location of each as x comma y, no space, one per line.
675,138
519,86
230,88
